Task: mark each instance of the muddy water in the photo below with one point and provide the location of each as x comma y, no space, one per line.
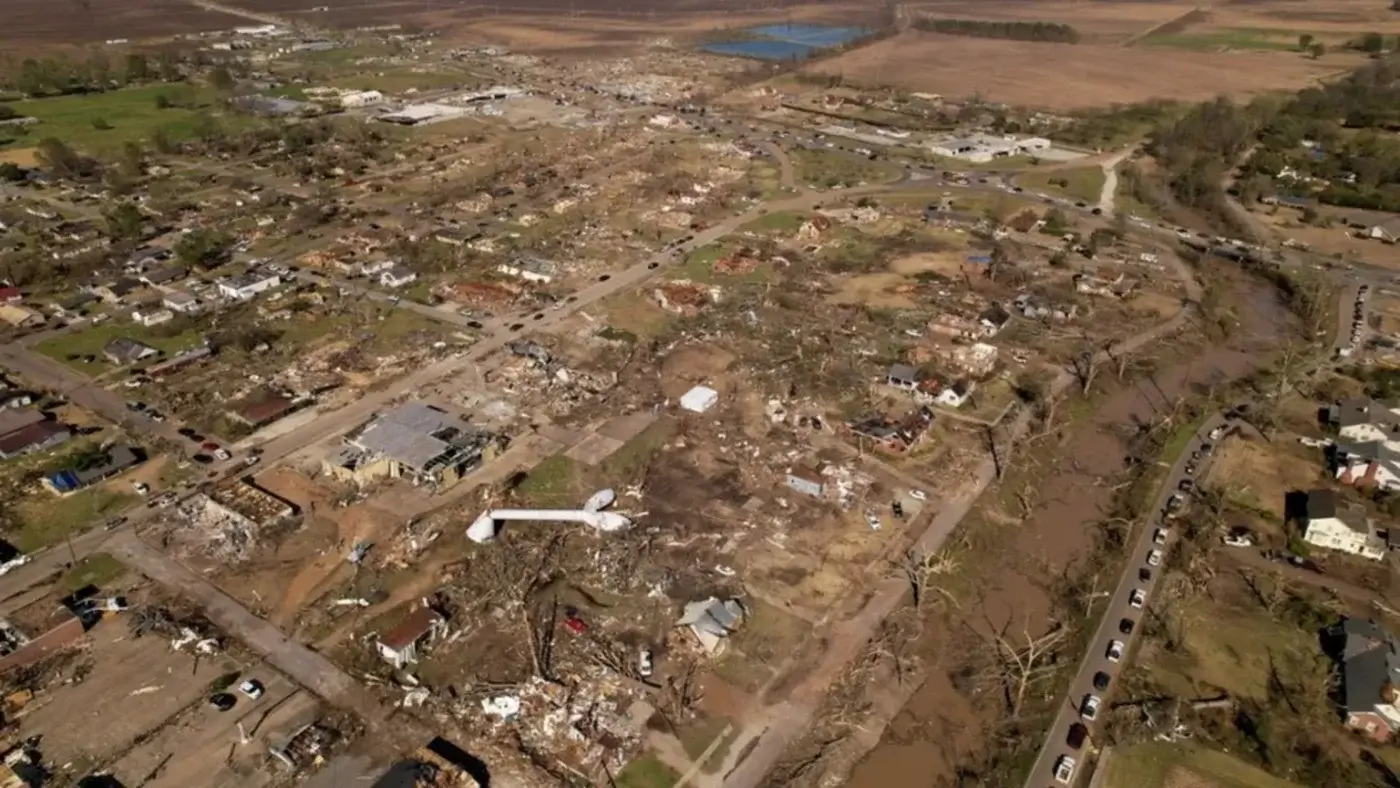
940,729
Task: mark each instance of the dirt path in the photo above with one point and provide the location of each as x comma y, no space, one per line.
1151,30
256,16
787,180
1110,180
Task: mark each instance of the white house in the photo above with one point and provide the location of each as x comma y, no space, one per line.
152,317
398,276
180,301
245,286
808,481
1365,420
364,98
957,394
531,269
1328,526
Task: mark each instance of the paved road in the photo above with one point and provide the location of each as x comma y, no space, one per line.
1042,774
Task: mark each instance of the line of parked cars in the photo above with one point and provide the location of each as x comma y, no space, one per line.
1092,702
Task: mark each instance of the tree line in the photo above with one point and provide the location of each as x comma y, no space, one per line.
99,72
1016,31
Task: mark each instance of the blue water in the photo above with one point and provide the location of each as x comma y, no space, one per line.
785,42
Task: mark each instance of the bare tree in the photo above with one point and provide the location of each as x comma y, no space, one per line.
1025,660
923,570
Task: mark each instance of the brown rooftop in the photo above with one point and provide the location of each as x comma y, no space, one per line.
416,625
260,408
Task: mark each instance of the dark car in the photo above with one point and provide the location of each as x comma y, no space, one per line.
473,324
1077,735
1145,574
1101,680
604,277
1126,626
653,264
516,326
202,459
223,701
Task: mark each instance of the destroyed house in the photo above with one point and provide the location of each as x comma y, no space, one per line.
416,441
180,361
895,437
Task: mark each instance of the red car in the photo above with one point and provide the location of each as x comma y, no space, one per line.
209,446
576,625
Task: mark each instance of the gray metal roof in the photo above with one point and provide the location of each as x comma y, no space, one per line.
405,434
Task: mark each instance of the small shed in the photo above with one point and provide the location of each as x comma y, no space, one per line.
699,399
808,481
399,647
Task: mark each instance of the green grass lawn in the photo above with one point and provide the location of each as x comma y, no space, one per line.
828,170
401,79
46,519
559,481
783,221
91,341
646,772
1147,765
97,569
1078,183
1228,38
1228,649
131,113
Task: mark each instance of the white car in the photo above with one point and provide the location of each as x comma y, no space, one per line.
252,688
1115,650
1216,433
222,454
872,521
1064,769
918,495
1239,540
1137,598
141,487
1154,558
1160,536
1089,707
645,666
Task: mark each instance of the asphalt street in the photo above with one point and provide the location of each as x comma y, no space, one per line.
1057,746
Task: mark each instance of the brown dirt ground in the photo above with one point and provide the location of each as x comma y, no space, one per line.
876,290
1333,240
1262,474
31,24
1180,777
1069,76
24,157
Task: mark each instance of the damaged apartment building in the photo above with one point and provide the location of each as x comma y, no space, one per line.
415,441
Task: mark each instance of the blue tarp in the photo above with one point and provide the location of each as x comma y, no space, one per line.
65,481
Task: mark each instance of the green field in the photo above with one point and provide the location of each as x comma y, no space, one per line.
1077,183
131,113
47,519
1147,765
646,772
90,342
1228,38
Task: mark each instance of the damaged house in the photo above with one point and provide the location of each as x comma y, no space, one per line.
712,620
415,441
399,646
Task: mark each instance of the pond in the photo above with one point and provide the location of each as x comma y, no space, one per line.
786,41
